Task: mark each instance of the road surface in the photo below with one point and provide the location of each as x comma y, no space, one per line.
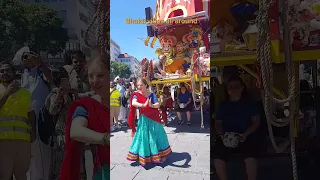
190,159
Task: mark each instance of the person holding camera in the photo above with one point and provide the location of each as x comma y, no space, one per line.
37,79
17,126
78,76
56,109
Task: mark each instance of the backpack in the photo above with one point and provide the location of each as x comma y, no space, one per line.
47,124
124,101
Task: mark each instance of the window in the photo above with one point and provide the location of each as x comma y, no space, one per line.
63,15
83,18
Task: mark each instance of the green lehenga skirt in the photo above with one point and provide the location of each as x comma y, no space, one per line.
102,174
150,143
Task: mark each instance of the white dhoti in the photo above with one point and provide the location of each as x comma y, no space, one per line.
123,114
89,164
40,161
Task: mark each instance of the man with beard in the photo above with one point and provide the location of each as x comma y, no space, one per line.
77,74
17,126
79,83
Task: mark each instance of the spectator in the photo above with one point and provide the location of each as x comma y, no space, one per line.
237,114
114,106
184,104
123,110
167,104
78,74
17,127
57,104
36,78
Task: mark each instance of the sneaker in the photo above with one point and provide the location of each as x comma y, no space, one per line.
112,128
189,123
180,122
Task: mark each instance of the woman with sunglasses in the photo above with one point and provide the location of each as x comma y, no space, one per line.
237,115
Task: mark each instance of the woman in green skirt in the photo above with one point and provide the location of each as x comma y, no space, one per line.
150,142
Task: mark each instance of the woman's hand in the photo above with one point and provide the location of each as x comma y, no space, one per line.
243,137
60,93
146,103
150,103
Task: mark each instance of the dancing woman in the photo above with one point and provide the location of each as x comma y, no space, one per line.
150,142
88,122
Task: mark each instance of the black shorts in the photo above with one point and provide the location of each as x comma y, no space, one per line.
245,150
188,108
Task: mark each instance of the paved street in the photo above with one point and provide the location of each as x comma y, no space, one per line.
190,159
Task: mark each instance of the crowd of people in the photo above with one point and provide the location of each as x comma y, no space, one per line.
51,118
120,96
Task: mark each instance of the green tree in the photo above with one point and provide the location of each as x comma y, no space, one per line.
34,25
119,69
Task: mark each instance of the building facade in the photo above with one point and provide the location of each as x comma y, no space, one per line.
132,62
115,51
77,15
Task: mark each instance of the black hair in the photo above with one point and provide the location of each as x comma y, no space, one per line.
244,94
78,55
132,79
67,57
230,71
183,85
9,64
57,74
127,85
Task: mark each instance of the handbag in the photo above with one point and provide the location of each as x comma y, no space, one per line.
231,139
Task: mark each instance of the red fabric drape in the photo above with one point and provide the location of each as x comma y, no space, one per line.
151,113
99,121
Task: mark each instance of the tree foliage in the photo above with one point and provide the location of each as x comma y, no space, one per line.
34,25
119,69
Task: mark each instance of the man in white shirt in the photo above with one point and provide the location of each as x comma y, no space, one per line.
123,110
36,78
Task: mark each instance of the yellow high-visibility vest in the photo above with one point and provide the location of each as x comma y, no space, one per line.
115,98
14,123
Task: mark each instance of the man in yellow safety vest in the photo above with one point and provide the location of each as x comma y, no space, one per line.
17,126
114,106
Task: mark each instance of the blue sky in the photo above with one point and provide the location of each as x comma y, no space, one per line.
126,35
